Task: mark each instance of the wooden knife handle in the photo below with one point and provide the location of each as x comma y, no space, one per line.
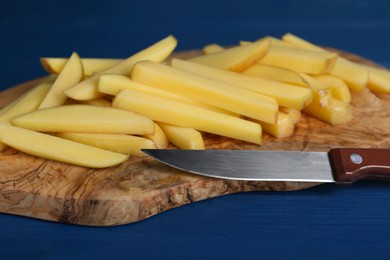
350,164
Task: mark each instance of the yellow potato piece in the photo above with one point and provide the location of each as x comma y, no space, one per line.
276,74
158,52
71,74
353,74
379,80
183,137
294,113
285,94
158,137
335,113
90,65
321,91
337,86
304,61
185,115
205,90
273,41
111,84
55,148
294,40
26,103
119,143
99,102
212,48
284,127
85,119
265,71
236,58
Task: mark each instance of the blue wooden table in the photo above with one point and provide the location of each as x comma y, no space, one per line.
319,223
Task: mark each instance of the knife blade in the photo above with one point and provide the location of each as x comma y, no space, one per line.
341,165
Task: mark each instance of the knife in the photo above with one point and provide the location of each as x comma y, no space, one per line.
341,165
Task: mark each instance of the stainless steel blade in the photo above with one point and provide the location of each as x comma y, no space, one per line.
250,165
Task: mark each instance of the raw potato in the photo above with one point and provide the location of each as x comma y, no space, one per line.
119,143
276,74
285,94
321,92
237,58
158,52
335,113
212,48
185,115
90,65
299,60
379,80
111,84
269,82
265,71
158,137
183,137
284,127
275,42
71,74
295,114
99,102
337,86
354,75
28,102
55,148
85,119
202,89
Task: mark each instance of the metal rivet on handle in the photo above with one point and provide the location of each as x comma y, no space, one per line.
356,158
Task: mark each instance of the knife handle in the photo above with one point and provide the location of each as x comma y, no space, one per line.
350,164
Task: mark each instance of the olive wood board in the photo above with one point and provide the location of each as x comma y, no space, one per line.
142,187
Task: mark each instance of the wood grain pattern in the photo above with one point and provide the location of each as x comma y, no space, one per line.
142,187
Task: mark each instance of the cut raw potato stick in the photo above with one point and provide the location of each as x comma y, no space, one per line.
55,148
237,58
90,65
185,115
353,74
99,102
158,52
299,42
273,41
284,127
299,60
111,84
294,113
71,74
119,143
338,88
183,137
321,91
158,137
285,94
85,119
265,71
26,103
276,74
335,113
379,80
205,90
212,48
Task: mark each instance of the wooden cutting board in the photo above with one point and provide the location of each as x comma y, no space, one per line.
143,187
